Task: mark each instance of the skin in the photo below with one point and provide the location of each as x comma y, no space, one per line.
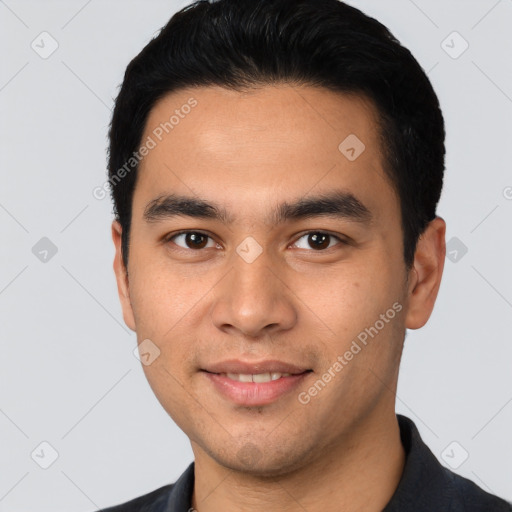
249,151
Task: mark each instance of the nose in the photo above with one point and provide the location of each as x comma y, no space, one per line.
254,300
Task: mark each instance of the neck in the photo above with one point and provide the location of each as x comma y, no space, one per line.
359,472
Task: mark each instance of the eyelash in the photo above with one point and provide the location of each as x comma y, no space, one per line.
184,232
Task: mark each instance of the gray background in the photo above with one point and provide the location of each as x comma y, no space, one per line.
68,374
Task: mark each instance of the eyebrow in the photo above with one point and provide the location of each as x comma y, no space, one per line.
337,204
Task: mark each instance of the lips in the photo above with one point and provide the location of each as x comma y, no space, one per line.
254,384
250,394
236,366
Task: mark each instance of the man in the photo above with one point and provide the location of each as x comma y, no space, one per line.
275,167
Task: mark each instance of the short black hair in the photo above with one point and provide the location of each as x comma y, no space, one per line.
240,44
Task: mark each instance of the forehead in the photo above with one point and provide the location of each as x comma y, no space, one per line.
263,145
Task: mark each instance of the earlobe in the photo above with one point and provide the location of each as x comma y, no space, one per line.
121,274
427,273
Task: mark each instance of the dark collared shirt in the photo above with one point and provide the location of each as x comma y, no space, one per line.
425,486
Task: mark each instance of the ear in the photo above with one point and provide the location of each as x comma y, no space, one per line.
121,273
425,276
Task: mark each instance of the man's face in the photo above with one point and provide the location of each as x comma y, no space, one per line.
299,291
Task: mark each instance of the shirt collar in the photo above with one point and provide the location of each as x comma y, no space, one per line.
180,497
424,485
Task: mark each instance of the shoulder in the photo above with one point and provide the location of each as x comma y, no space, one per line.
175,496
150,502
427,485
469,497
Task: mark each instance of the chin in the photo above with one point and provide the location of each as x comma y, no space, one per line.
260,462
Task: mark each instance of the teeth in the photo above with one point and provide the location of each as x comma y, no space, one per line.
260,377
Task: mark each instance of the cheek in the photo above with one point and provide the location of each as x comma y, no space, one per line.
356,292
167,386
362,306
340,303
160,298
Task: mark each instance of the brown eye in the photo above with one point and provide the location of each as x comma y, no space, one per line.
317,240
191,240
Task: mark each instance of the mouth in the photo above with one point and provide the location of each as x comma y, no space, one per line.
258,377
238,367
255,389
